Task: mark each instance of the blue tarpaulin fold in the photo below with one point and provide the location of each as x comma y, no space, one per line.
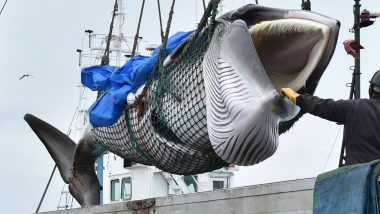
349,190
119,82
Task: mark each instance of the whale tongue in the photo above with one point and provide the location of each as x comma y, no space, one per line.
60,146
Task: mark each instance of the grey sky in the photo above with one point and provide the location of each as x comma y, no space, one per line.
40,38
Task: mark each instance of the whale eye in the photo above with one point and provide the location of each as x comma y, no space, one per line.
290,49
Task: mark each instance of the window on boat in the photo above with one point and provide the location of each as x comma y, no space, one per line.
220,183
115,190
126,188
217,184
191,183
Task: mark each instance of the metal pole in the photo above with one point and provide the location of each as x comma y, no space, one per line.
46,188
357,58
120,36
355,83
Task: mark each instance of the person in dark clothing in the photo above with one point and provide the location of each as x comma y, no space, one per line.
361,119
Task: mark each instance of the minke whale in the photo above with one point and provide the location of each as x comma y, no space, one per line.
222,104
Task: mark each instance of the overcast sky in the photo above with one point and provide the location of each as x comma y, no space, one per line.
40,38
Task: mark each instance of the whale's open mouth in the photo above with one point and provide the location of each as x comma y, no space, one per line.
254,52
290,49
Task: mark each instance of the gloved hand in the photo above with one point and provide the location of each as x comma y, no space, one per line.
290,93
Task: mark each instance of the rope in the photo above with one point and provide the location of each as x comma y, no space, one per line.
106,56
306,5
204,5
3,6
257,1
46,188
163,48
138,102
161,28
138,30
163,53
212,21
211,8
133,137
157,64
328,157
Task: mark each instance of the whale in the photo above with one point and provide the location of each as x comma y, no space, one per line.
216,100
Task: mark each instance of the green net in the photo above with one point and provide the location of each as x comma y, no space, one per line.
167,127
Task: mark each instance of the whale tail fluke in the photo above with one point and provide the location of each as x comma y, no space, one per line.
75,162
59,145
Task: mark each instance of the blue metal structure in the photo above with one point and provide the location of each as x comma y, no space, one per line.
99,172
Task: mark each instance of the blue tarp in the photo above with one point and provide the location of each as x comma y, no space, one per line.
350,189
118,83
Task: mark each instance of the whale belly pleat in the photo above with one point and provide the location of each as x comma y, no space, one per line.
243,107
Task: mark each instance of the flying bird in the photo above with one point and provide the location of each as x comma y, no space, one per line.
25,75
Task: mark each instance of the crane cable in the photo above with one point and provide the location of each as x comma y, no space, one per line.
328,157
3,6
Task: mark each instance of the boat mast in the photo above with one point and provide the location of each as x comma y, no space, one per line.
120,15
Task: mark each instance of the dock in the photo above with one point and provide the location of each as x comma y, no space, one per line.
295,196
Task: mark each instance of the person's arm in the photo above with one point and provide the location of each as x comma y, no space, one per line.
325,108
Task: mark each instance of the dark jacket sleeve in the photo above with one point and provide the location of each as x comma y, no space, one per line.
328,109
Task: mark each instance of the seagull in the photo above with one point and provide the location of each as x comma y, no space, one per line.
25,75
